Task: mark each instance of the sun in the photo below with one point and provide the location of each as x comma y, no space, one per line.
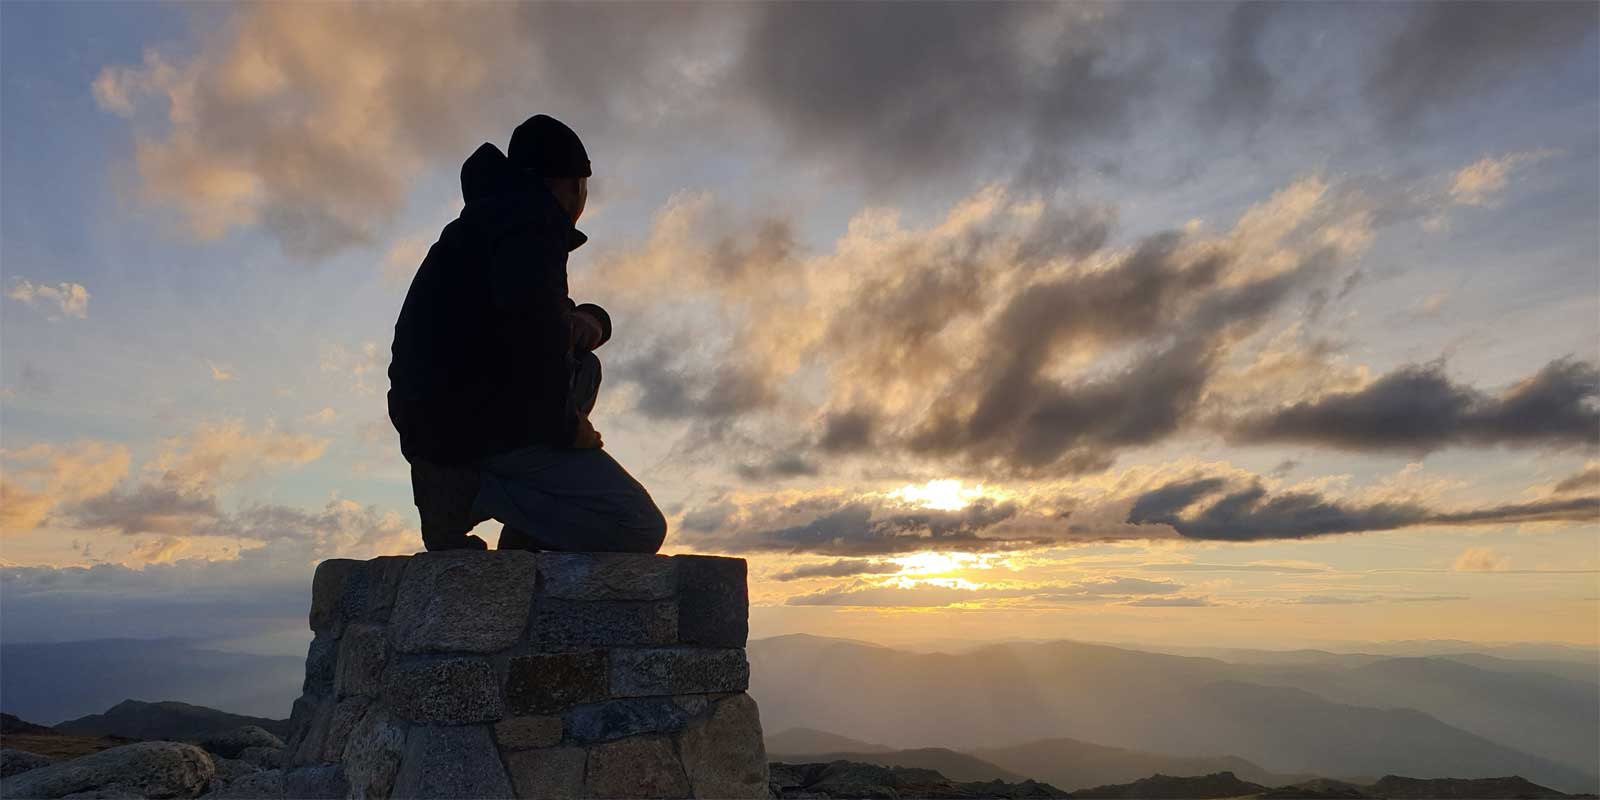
945,495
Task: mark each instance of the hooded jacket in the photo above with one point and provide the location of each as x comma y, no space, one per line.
482,356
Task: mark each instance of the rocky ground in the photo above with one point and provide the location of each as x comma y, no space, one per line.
247,763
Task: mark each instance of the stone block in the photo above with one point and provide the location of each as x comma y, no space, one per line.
300,718
255,786
371,600
713,601
327,594
637,672
527,733
562,624
607,576
553,772
463,602
458,761
346,713
448,691
363,652
324,782
308,749
723,754
321,657
372,755
615,719
544,682
643,767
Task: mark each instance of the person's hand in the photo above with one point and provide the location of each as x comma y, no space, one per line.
586,332
587,438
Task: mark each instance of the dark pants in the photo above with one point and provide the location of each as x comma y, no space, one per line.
568,499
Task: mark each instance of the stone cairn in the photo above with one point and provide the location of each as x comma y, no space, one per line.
531,675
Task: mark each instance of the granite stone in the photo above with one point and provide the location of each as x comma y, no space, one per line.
327,594
527,733
457,761
463,601
563,624
641,767
723,754
615,719
713,601
677,670
544,682
443,690
552,772
607,576
363,652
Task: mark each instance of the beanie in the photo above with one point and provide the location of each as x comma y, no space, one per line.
549,149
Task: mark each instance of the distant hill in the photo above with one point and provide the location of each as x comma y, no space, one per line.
1171,787
809,741
1007,695
1394,786
50,682
20,734
168,720
949,763
1073,764
850,779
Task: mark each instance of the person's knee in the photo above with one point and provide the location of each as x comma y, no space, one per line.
648,528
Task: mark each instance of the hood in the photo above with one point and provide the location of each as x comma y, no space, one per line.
494,191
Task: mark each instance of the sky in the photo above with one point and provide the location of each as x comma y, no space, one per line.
1253,325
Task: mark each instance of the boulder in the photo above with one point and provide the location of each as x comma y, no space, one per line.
16,762
263,757
234,742
144,769
266,784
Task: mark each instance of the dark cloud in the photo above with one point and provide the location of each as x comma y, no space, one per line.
858,528
1169,308
846,431
896,91
1419,409
1587,480
148,508
1450,52
841,568
1207,509
782,465
1241,84
680,381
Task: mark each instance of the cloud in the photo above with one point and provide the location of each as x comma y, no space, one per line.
1171,602
1450,53
1478,182
1586,480
40,478
1242,86
1480,559
1212,508
839,568
221,372
1419,409
175,491
69,299
936,595
895,92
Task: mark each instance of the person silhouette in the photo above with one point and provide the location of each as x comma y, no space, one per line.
494,376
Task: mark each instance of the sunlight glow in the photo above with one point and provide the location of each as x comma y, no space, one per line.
945,495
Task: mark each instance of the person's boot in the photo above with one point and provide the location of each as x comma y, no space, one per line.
515,539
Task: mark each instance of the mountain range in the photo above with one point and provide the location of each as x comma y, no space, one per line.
1427,717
